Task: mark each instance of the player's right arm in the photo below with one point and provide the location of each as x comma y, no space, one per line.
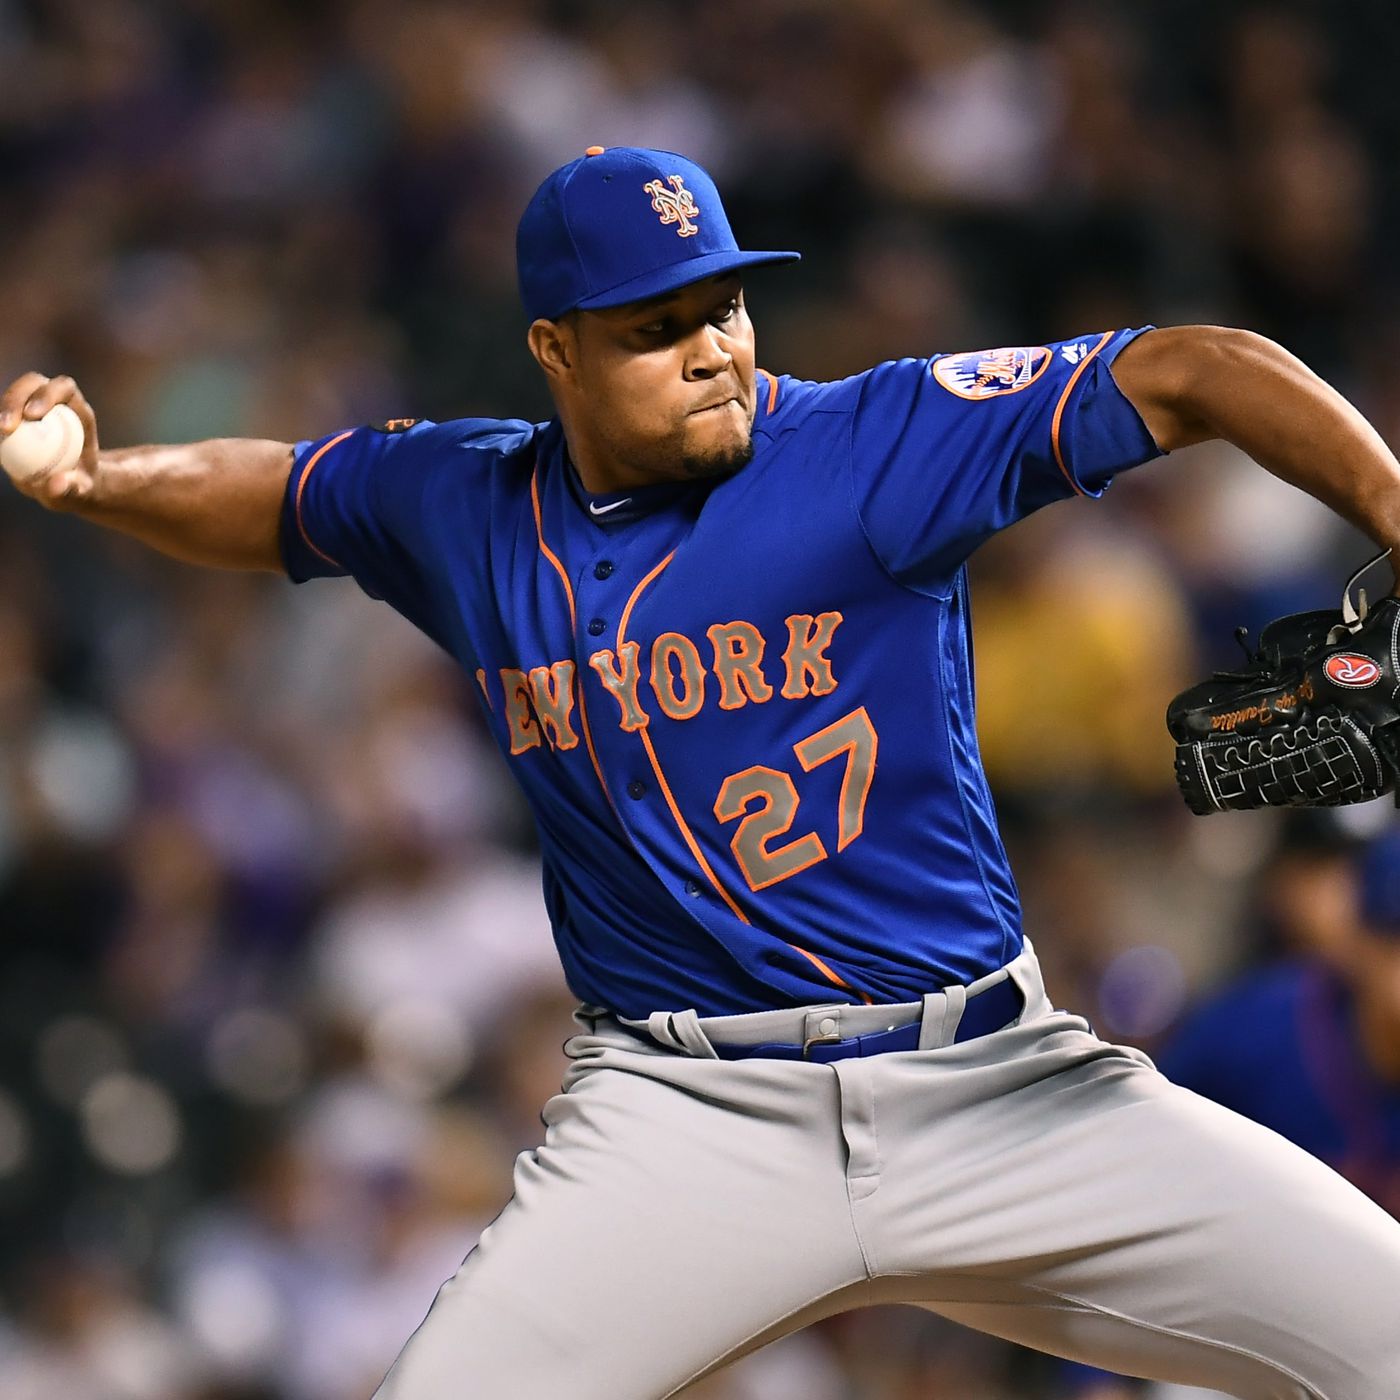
215,503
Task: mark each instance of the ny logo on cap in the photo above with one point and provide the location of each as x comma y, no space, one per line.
676,205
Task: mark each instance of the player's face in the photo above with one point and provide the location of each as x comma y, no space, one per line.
663,390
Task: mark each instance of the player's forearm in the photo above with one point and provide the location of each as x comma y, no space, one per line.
215,503
1193,383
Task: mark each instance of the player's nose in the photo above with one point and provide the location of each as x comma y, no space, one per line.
709,354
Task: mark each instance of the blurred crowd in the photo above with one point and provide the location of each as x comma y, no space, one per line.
278,1003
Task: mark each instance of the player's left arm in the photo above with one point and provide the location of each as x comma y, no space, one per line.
1194,383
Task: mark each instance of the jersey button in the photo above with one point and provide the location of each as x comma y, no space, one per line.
597,627
603,568
692,888
636,788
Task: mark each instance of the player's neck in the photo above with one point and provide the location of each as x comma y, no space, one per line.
600,472
597,468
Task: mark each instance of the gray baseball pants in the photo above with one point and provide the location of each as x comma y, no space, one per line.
1036,1183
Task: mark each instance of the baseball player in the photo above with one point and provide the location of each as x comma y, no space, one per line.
718,620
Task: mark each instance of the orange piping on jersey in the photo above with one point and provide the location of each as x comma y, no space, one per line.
686,831
301,486
666,792
772,391
834,977
637,593
680,821
573,628
547,551
1060,410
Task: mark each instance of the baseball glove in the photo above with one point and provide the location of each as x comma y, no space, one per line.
1311,720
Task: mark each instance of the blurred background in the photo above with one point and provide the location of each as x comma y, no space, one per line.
278,1003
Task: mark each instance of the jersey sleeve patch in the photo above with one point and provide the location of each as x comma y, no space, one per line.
983,374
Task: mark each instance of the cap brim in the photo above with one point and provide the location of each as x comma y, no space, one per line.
679,274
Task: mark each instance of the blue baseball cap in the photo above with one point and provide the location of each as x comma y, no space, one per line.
621,224
1380,884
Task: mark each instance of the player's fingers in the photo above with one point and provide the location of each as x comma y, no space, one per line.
87,416
14,398
59,389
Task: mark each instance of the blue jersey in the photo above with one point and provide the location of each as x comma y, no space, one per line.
741,712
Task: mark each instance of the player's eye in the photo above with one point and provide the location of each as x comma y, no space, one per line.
727,312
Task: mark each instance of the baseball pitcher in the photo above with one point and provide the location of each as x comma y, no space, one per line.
718,621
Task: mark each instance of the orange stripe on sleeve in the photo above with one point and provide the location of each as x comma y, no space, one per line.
1060,412
573,628
301,487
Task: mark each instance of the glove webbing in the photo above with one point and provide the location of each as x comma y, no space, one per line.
1326,761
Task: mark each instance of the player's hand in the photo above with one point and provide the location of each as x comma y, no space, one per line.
32,396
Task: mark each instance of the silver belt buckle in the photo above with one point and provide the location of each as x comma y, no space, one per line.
820,1028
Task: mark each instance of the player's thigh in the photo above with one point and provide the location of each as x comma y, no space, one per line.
1249,1246
653,1233
1143,1229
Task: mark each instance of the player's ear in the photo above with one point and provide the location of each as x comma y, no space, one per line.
554,344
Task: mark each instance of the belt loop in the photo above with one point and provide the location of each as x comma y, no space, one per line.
942,1012
1024,970
659,1029
820,1027
681,1031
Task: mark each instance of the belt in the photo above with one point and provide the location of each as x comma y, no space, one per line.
984,1012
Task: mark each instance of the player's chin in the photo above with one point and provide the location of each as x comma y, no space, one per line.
717,451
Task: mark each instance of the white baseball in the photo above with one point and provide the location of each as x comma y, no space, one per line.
40,446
